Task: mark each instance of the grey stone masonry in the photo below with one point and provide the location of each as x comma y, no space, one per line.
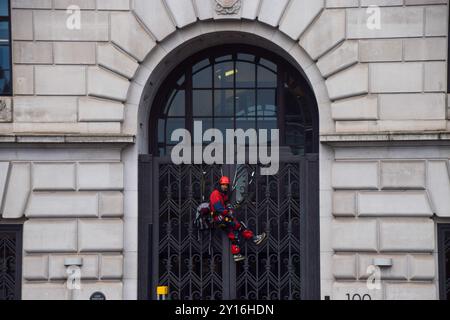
85,73
395,71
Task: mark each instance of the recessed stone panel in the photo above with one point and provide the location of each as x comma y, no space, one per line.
407,235
41,235
406,203
354,235
100,235
355,175
411,291
403,174
44,177
62,204
100,176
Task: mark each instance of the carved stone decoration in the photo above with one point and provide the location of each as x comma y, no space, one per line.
225,7
5,109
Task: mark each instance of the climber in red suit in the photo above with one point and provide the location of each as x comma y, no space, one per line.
224,217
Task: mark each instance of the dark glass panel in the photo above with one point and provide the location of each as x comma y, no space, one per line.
5,82
246,57
294,132
223,102
245,75
227,57
200,65
224,75
266,78
4,30
173,124
297,150
267,103
245,102
4,10
177,104
5,61
268,123
202,103
202,75
268,64
161,135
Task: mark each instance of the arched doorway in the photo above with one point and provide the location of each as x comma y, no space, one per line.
232,87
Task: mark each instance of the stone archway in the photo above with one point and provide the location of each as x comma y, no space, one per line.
164,55
287,211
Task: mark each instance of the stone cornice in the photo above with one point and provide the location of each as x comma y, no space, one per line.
384,138
66,139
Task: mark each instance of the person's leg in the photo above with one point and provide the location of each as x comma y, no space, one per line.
242,229
233,235
248,234
234,239
229,227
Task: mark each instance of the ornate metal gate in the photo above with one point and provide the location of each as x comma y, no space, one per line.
199,265
444,260
10,262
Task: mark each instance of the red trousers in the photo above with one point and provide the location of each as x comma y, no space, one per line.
234,230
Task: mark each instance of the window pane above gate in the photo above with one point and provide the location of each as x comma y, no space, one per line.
173,124
176,105
224,103
248,89
266,103
202,75
202,103
224,74
266,78
245,103
245,75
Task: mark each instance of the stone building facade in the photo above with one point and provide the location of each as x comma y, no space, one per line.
72,132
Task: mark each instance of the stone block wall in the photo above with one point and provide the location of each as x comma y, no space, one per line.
388,78
70,208
385,201
91,82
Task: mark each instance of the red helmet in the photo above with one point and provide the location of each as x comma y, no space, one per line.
224,180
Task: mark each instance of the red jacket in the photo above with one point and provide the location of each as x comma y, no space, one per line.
218,202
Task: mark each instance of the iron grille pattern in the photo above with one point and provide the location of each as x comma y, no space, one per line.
444,260
190,263
193,265
9,264
272,271
447,262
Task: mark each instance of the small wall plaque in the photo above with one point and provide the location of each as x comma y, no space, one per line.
97,296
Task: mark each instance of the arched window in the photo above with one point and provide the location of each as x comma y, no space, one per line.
232,87
236,87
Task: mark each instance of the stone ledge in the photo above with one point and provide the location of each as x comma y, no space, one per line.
350,139
67,139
